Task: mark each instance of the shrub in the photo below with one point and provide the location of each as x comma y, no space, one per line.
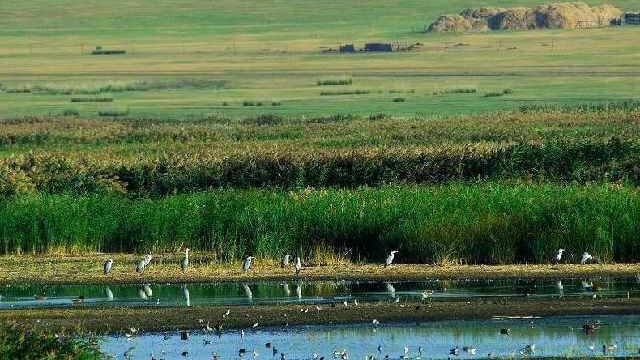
39,343
333,82
398,100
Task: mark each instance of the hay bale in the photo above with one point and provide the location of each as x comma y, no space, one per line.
481,13
606,14
554,16
520,18
450,23
575,15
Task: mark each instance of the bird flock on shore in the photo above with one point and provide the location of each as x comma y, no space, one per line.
247,263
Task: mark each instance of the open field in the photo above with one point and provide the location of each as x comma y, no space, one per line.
265,53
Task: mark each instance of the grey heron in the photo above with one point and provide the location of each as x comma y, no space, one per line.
147,259
559,255
106,268
298,265
141,265
285,261
147,290
246,264
586,257
390,258
185,261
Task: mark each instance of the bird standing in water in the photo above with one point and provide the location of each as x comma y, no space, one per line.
390,258
106,268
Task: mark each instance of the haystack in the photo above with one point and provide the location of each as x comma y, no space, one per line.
554,16
514,19
575,15
450,23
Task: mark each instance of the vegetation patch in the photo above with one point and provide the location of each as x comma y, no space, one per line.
344,92
456,91
334,82
39,342
114,86
114,112
498,93
427,224
91,99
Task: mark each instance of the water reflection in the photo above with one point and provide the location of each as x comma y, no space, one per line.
554,336
310,292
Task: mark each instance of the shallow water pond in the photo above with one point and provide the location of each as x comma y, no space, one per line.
540,337
229,293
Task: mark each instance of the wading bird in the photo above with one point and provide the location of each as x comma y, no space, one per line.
185,260
147,259
246,264
559,255
106,268
140,266
390,258
586,257
285,261
298,265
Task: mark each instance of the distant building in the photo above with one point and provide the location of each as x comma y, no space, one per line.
378,47
632,18
347,48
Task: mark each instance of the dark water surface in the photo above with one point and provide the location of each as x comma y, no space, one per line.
308,292
553,336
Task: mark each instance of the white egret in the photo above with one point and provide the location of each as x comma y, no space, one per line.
586,257
390,258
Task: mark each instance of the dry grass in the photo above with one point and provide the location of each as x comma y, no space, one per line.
87,269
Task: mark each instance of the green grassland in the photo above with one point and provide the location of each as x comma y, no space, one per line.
271,52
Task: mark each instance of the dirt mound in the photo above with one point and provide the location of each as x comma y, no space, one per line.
553,16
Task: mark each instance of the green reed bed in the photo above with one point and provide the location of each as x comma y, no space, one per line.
489,223
40,342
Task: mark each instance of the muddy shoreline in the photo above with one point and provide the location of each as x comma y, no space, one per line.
110,320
